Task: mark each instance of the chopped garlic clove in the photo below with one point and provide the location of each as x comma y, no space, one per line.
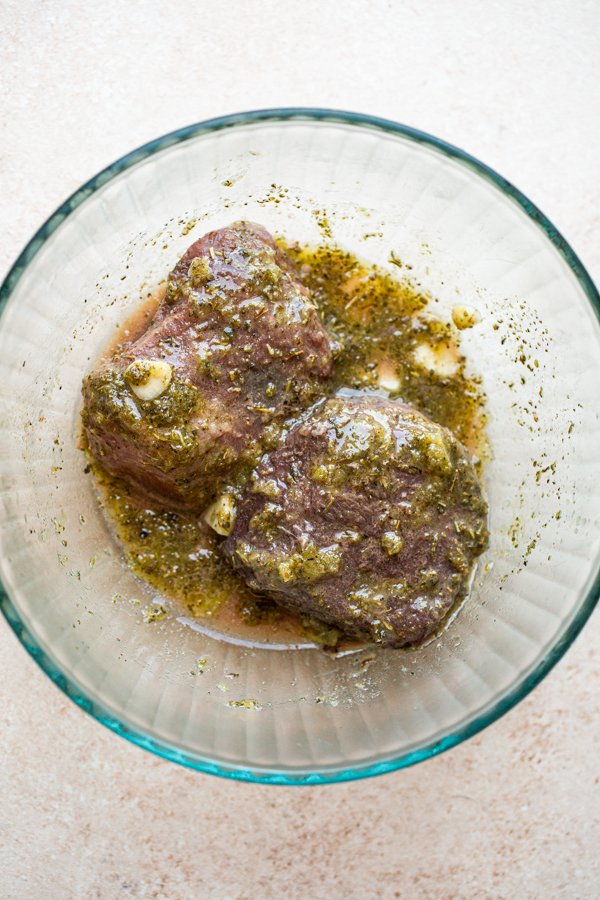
199,272
441,359
387,376
148,378
391,542
220,515
465,317
437,454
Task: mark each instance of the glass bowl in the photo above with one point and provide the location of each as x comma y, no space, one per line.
262,712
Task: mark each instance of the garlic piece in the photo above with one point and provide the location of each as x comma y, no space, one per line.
148,378
391,542
465,317
441,359
220,515
387,376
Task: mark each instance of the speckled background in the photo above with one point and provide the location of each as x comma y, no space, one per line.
514,812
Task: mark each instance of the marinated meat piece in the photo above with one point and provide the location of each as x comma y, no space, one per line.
236,347
368,516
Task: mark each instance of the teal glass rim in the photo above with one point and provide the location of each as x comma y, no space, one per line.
501,705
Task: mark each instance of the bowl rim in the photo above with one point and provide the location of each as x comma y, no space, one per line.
324,775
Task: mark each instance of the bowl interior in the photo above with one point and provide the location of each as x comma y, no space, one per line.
263,712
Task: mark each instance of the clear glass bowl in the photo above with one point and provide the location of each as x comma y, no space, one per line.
298,716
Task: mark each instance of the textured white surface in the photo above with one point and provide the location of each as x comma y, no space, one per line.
514,812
